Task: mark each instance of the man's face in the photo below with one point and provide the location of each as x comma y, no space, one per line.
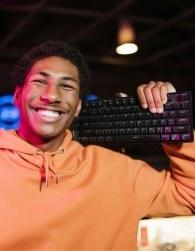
49,98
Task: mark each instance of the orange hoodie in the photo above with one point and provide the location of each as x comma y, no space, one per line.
94,198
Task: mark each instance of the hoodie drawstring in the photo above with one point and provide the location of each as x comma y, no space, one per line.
47,169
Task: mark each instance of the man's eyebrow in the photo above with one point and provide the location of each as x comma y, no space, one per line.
45,74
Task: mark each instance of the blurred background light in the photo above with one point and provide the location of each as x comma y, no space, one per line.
9,113
126,38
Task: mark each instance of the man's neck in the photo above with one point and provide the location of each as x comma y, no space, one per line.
45,145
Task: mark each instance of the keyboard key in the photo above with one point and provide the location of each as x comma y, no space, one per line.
182,121
181,129
183,113
165,137
186,136
185,104
175,137
137,138
168,129
160,129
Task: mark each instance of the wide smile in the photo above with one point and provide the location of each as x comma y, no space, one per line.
48,115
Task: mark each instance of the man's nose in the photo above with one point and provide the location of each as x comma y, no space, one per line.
50,94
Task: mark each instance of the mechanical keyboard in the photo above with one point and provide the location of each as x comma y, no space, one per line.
121,120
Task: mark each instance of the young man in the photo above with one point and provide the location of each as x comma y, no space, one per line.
59,195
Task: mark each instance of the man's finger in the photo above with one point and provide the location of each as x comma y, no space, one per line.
170,87
149,96
157,98
141,96
163,93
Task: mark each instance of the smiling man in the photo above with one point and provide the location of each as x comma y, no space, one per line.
48,102
93,197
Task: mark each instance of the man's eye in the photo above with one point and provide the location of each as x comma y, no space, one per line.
66,87
40,81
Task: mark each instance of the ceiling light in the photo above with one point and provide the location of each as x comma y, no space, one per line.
126,38
126,48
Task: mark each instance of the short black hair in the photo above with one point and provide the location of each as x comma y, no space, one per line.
53,48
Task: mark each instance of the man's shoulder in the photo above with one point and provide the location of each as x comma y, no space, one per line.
102,151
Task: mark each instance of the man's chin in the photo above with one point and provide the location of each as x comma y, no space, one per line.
49,133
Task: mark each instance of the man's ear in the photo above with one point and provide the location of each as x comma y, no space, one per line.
78,108
17,95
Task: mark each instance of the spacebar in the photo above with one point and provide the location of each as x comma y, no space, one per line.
136,138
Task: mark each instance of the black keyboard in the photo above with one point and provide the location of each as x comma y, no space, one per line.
119,121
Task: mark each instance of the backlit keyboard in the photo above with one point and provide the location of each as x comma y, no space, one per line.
122,120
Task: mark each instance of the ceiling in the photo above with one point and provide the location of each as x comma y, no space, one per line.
164,33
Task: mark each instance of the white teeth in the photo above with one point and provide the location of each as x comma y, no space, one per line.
51,114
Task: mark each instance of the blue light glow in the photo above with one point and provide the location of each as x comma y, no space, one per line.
9,114
91,97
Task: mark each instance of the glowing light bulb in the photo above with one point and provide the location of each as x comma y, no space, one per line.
126,49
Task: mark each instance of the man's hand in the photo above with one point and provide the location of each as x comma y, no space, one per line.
154,95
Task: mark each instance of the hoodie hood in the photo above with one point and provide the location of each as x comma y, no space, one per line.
50,165
11,141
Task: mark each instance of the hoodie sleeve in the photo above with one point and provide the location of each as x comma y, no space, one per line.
167,193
